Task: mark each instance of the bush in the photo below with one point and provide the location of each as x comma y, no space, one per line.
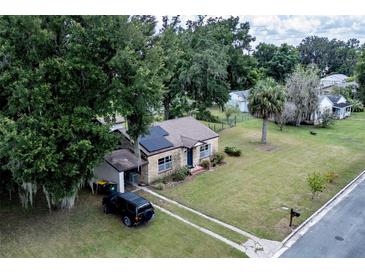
316,183
159,186
180,174
217,158
357,106
327,119
205,115
231,110
205,164
330,176
162,180
233,151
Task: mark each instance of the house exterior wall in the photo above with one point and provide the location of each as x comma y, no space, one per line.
342,100
324,105
150,173
196,151
237,101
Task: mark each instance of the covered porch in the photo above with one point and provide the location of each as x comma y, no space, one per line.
341,110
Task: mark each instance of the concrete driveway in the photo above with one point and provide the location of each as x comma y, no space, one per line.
339,234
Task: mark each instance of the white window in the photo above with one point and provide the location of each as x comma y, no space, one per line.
164,164
204,151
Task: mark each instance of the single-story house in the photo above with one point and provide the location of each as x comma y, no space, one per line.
168,146
239,99
176,143
328,83
336,103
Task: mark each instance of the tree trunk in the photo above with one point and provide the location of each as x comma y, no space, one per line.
299,119
137,152
264,130
166,106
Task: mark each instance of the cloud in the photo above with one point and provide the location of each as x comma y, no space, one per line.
292,29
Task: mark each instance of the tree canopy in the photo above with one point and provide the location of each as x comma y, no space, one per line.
266,100
277,62
331,56
58,74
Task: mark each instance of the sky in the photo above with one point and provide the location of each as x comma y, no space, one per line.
292,29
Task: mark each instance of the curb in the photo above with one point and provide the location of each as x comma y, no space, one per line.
307,223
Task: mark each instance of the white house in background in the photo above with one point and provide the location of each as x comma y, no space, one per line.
118,122
336,103
336,80
239,99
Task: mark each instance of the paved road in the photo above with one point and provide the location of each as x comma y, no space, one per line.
339,234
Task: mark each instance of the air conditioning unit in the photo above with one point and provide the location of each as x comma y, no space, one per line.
134,178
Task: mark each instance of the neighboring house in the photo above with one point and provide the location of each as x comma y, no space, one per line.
336,103
239,99
118,122
168,146
336,80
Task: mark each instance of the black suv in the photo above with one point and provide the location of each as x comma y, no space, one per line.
133,208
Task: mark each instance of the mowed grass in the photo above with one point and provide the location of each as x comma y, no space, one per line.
196,219
255,191
87,232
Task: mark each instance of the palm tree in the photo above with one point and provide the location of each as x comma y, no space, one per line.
265,100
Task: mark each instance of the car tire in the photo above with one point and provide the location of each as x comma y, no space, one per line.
148,215
127,221
106,209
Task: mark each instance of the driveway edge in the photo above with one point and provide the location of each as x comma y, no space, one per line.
317,215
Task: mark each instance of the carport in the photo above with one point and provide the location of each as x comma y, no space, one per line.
117,167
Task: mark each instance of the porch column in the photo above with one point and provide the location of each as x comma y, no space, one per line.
120,186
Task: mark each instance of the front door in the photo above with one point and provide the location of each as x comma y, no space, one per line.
190,157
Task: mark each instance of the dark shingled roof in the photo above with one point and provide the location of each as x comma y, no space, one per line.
123,160
334,98
342,105
181,132
186,131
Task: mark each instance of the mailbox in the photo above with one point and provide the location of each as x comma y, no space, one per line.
293,213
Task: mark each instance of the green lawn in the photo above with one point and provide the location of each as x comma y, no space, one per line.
253,191
86,232
196,219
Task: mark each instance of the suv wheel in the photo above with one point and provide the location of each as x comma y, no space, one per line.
127,221
148,215
106,209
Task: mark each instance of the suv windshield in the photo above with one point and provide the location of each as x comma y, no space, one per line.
143,208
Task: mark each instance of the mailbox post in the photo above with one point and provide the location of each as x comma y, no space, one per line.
293,213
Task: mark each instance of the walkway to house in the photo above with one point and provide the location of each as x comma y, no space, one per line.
254,247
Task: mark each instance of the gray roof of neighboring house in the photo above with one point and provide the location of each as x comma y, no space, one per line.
338,77
242,93
123,160
184,132
334,98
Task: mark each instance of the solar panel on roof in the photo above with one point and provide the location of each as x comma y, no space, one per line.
156,131
155,143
